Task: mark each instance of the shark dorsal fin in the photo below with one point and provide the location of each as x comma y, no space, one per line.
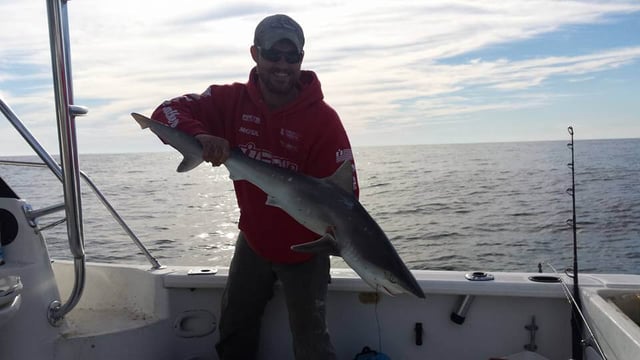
326,245
343,177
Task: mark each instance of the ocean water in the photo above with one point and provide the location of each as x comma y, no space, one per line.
480,207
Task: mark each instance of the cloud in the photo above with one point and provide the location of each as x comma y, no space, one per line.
429,92
383,65
237,9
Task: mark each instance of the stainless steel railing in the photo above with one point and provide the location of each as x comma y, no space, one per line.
34,214
69,173
63,95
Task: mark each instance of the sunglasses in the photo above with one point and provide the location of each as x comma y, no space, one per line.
291,57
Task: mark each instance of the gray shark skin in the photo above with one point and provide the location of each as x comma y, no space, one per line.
186,144
325,206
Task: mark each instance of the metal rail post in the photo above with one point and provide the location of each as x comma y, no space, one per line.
65,114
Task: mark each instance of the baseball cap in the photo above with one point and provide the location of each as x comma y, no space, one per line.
275,28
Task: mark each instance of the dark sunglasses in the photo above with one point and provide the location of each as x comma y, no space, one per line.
291,57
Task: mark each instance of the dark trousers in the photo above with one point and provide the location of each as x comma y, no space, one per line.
250,287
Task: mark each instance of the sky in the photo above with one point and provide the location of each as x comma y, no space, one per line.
397,72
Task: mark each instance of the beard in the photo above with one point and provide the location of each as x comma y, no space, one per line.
279,82
279,86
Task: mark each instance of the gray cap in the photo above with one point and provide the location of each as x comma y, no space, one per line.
275,28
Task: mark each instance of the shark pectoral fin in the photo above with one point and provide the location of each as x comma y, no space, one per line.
326,244
188,163
343,177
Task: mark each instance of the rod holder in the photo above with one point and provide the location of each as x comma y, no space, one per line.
459,315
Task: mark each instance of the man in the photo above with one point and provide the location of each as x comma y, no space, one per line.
279,117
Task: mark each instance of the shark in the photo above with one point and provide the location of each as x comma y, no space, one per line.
326,206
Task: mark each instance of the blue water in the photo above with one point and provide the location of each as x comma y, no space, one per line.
489,207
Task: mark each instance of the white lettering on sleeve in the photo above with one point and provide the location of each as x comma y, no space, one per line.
172,116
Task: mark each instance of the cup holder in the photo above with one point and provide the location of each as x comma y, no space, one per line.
544,279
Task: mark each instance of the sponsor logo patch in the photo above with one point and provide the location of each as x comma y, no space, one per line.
290,134
251,132
253,152
251,118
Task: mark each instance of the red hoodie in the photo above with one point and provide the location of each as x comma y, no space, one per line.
306,136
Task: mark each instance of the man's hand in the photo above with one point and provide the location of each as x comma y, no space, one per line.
214,149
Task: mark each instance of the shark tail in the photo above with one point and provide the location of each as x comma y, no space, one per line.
141,120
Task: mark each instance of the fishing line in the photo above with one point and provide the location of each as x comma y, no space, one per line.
378,319
572,301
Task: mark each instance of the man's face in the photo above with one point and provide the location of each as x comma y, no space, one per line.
275,69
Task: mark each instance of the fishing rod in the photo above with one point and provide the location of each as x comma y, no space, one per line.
576,324
592,340
578,319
